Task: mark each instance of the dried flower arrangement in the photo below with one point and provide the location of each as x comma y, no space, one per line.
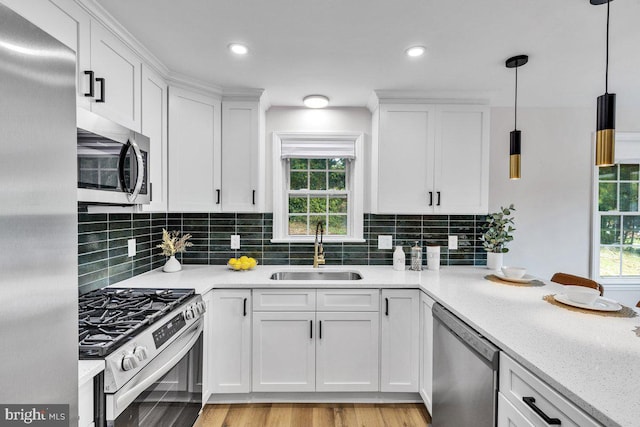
172,243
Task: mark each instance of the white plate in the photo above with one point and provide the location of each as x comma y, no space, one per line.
600,304
524,279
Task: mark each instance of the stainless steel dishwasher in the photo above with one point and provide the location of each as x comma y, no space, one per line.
465,374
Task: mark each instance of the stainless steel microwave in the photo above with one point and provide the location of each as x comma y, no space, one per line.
113,162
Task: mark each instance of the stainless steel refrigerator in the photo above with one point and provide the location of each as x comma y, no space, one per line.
38,223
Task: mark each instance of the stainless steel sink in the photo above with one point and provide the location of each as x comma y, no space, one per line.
316,275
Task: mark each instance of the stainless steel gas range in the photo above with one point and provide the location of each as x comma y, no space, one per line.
151,342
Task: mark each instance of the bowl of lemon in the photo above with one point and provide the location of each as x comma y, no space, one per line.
244,263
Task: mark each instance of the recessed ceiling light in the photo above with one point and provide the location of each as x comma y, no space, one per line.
315,101
238,49
415,51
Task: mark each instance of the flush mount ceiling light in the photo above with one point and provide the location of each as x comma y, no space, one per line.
415,51
606,116
515,135
238,49
315,101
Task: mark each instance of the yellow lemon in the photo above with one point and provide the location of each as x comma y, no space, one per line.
244,258
237,266
252,262
245,265
232,261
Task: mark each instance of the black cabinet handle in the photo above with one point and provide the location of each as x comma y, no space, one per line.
438,204
321,329
244,307
254,197
218,196
91,75
101,80
386,305
311,329
151,191
430,198
531,403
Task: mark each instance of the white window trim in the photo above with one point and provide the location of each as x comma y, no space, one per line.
614,283
280,219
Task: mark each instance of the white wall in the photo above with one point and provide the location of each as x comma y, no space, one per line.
282,119
553,198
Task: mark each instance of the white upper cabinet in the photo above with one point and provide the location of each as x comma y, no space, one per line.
70,24
194,152
430,159
154,125
117,78
243,157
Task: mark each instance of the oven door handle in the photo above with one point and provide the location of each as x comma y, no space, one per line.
125,396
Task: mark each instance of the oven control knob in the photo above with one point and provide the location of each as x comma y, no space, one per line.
202,306
140,353
199,309
129,362
188,314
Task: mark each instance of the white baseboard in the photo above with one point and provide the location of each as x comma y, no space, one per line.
313,397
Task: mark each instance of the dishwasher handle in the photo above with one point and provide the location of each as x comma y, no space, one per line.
483,347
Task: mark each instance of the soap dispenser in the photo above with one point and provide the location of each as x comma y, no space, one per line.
398,259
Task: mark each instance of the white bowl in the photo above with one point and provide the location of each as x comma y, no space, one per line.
581,294
514,272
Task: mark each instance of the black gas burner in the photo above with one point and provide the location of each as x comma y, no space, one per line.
110,317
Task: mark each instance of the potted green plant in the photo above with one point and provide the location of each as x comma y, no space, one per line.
497,233
172,244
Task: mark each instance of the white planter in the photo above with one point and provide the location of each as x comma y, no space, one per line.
172,265
494,260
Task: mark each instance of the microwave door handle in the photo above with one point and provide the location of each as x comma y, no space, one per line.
121,168
140,176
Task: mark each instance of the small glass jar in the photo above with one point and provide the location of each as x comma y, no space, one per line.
416,258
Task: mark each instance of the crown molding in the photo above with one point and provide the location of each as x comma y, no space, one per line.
378,97
98,13
190,83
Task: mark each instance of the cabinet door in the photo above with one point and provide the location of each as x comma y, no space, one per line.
67,22
426,349
347,351
207,344
509,416
243,156
400,337
154,125
283,351
403,158
230,349
194,152
461,181
120,68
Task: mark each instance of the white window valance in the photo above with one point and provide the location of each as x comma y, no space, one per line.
318,149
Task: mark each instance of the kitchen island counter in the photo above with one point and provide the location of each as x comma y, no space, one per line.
589,358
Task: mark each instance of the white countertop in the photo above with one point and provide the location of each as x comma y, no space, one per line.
87,369
592,360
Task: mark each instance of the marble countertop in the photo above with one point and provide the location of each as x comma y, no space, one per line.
593,360
87,369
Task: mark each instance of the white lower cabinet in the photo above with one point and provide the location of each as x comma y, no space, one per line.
347,351
535,400
230,350
85,404
509,416
284,351
400,340
426,349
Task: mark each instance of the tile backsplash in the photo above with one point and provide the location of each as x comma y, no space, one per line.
102,242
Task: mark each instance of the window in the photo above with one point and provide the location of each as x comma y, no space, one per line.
617,216
317,179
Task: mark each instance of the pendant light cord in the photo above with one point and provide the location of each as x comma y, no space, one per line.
515,110
606,78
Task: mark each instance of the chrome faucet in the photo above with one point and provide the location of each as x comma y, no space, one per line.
318,252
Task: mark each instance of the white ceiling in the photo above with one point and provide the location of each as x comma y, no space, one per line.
346,49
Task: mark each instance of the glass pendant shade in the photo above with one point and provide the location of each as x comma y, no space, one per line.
514,154
606,130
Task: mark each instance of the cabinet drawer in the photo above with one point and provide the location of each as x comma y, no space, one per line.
509,416
348,300
517,383
284,300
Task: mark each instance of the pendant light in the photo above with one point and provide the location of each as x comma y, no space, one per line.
606,125
515,135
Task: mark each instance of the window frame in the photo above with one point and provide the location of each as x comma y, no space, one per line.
630,154
354,182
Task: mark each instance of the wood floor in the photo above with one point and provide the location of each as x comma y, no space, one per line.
314,415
